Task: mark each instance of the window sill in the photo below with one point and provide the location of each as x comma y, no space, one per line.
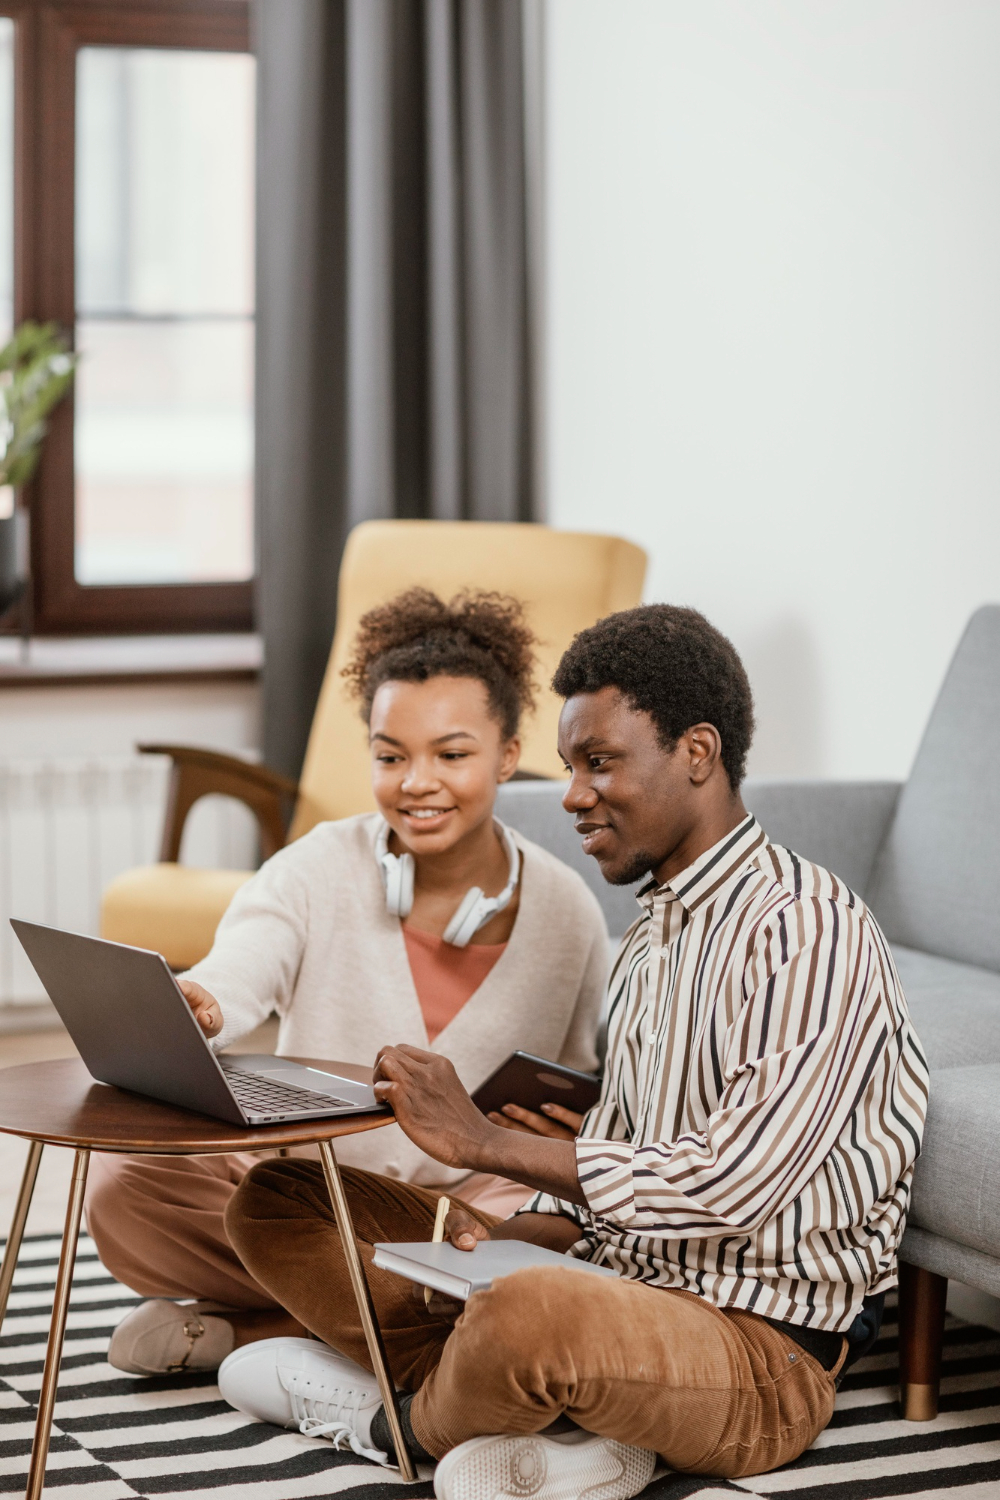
82,661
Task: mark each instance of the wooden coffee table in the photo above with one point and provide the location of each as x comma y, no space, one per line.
60,1104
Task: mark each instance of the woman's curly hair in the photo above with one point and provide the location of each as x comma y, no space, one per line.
477,634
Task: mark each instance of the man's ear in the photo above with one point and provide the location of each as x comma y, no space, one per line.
704,749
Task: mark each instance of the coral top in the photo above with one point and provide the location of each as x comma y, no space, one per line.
444,976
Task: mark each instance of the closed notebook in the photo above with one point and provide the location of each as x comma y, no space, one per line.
459,1273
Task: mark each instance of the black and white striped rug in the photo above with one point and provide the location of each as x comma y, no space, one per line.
119,1436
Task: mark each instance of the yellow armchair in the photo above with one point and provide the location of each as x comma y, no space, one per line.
566,580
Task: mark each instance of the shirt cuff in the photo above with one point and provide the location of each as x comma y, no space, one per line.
544,1203
605,1172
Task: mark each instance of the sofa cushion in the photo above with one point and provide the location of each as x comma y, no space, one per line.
956,1186
936,880
955,1008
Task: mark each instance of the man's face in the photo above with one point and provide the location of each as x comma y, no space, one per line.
633,801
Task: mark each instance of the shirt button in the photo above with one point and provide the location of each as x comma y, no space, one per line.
791,1359
651,1036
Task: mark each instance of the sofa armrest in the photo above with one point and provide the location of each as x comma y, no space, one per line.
838,824
197,773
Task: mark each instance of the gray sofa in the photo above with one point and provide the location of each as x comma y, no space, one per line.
925,855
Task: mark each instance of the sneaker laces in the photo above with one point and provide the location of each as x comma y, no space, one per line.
327,1415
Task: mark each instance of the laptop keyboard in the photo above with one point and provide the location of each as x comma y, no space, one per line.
266,1096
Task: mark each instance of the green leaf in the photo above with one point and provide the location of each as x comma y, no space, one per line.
36,371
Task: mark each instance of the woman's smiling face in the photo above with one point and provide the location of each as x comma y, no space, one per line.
438,755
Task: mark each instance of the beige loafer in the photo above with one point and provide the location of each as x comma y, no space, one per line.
169,1338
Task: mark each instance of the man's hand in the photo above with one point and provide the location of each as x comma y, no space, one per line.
207,1011
554,1231
557,1123
463,1229
426,1096
465,1232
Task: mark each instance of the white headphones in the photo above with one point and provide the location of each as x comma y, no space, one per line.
474,910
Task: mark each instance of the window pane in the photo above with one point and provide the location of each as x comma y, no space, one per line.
164,277
6,178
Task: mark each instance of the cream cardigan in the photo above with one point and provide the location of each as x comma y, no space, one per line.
309,936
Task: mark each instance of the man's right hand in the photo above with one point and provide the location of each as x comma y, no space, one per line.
207,1011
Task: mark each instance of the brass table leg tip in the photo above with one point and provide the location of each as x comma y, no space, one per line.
919,1402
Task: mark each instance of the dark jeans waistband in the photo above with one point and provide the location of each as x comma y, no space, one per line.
823,1346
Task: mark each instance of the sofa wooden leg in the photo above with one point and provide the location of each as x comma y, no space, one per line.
922,1296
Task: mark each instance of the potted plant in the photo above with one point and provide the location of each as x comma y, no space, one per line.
36,370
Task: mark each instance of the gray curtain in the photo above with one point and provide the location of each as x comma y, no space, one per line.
394,338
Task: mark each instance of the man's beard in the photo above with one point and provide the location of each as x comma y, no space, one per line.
639,865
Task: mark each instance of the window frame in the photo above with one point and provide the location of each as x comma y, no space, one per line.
47,36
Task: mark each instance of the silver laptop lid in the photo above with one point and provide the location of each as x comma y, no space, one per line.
129,1019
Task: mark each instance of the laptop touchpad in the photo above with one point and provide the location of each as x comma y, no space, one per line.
303,1077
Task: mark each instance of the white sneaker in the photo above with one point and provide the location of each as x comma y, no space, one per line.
570,1466
302,1383
170,1338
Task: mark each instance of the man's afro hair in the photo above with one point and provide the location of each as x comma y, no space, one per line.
672,664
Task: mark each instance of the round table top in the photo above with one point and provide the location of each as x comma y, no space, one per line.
59,1102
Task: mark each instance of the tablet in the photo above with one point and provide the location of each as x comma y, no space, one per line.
534,1081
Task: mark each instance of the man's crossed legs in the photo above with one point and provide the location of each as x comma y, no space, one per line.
720,1393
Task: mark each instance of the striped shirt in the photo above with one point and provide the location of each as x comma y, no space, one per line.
764,1093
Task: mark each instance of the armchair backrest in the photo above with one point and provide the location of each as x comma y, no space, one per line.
565,579
936,880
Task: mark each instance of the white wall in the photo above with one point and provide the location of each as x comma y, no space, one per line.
773,290
77,806
76,724
42,722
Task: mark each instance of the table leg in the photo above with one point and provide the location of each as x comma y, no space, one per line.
57,1328
18,1222
366,1308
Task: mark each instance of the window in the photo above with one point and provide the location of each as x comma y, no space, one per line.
137,201
6,178
164,310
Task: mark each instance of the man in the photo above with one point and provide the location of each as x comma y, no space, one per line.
746,1172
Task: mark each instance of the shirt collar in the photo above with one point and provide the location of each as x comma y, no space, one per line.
703,877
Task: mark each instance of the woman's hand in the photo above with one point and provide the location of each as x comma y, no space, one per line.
207,1011
557,1123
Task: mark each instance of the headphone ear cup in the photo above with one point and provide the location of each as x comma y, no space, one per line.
407,873
391,867
466,921
399,874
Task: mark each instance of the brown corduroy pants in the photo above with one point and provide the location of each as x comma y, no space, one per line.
157,1222
721,1393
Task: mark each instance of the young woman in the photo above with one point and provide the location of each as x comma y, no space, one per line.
366,931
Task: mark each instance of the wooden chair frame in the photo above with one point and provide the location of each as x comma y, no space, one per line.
270,796
198,773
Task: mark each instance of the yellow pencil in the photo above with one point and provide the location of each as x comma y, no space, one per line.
444,1204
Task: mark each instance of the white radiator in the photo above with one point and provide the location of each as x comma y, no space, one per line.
68,826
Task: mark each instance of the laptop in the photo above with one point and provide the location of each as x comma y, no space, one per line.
133,1028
